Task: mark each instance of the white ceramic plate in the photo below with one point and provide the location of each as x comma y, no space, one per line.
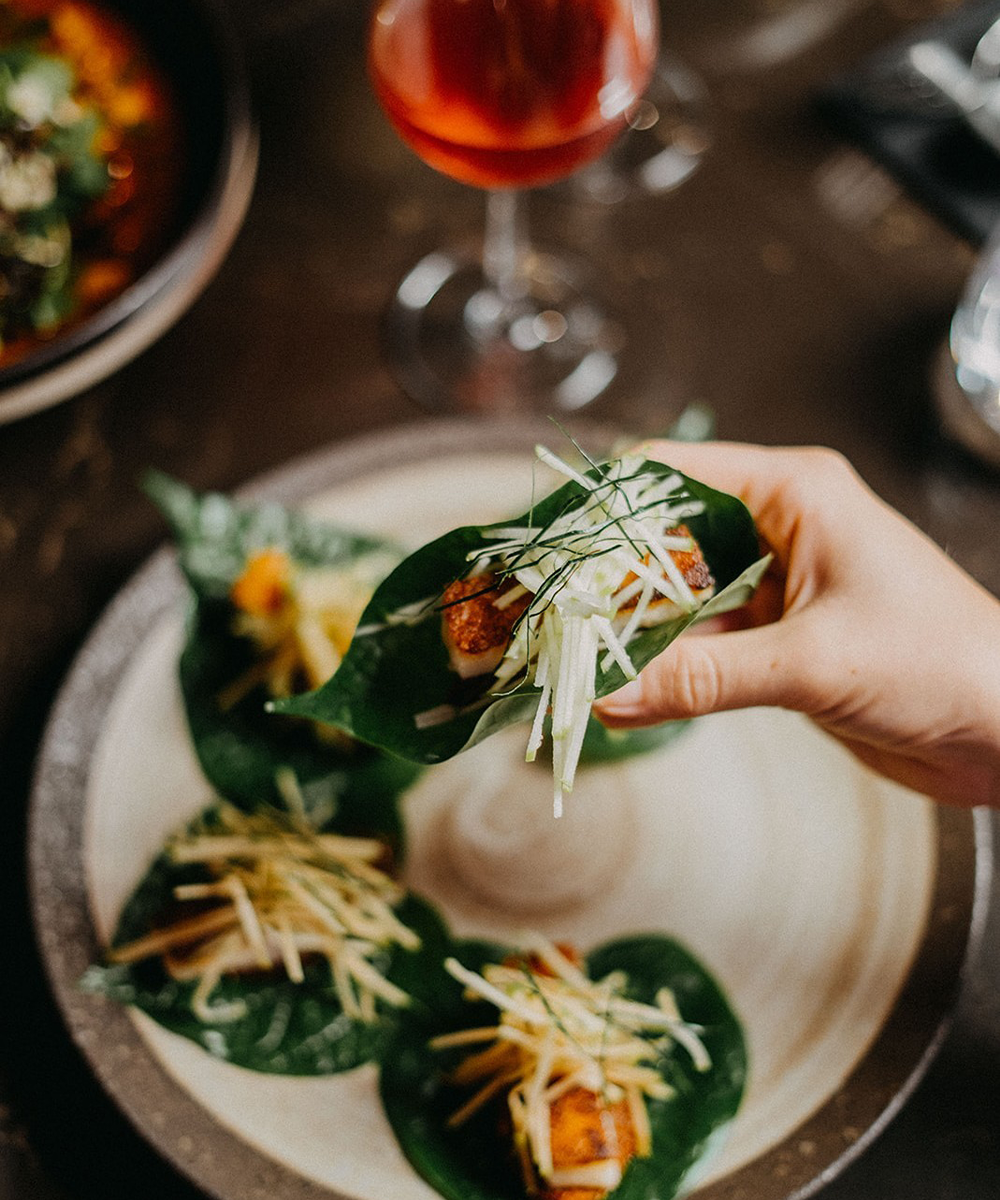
834,908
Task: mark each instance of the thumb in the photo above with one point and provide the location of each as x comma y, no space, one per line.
707,673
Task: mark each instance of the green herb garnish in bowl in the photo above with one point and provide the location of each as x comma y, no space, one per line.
51,168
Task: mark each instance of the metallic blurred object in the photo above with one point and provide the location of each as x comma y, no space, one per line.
931,79
971,94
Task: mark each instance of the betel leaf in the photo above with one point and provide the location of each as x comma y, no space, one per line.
474,1162
215,535
242,749
601,744
394,671
240,746
289,1028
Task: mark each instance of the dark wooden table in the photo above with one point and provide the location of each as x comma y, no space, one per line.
789,285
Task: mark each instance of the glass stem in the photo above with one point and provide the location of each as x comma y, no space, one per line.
504,246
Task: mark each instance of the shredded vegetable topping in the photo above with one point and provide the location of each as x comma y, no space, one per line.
561,1036
584,585
278,891
300,619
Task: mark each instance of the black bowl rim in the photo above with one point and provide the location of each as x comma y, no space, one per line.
237,139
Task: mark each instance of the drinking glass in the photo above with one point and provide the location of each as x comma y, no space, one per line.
967,370
506,95
669,132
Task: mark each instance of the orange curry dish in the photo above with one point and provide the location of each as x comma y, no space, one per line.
90,165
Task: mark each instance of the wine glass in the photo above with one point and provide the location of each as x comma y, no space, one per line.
505,95
669,133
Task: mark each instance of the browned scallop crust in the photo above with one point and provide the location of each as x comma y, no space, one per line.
475,631
691,564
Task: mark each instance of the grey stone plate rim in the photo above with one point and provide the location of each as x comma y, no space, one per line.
221,1163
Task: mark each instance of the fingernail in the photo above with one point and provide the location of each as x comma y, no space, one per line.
626,699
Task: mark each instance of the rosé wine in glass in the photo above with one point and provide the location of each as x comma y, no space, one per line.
503,95
510,93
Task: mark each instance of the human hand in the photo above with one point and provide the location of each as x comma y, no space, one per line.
862,623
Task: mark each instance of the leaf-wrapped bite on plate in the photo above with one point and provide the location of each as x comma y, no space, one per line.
274,945
564,1079
534,618
275,600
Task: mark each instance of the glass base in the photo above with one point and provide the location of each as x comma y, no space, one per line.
456,344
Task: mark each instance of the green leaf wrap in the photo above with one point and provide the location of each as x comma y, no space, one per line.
475,1162
394,672
240,749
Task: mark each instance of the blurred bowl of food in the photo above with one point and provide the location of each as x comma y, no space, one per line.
127,159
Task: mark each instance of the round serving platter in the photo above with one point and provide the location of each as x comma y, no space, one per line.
835,909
